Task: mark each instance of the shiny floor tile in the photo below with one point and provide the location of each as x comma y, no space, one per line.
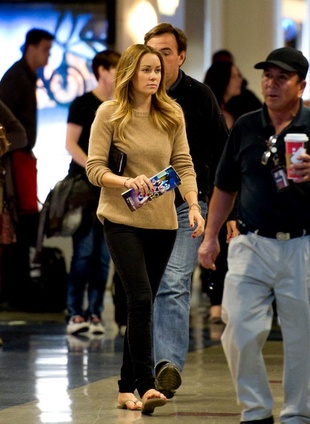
49,377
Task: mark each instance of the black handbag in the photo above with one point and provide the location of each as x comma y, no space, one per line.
117,160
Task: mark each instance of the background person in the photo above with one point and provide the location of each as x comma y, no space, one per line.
206,133
91,259
224,79
12,137
246,101
18,92
140,242
270,259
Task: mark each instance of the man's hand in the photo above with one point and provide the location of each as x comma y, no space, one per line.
232,230
208,252
302,169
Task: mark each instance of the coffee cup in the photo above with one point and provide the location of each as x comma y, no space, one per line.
295,145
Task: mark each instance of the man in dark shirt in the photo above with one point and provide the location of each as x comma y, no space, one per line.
18,84
270,259
18,92
207,133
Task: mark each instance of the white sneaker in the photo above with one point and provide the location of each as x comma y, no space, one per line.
76,325
96,325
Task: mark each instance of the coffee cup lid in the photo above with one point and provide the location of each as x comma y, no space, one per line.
296,137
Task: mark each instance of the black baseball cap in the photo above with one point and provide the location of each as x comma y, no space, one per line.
286,58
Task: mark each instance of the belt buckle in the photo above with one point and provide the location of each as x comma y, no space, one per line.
283,236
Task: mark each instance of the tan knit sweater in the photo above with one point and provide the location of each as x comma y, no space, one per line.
149,150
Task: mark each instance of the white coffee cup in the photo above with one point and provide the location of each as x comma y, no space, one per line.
295,145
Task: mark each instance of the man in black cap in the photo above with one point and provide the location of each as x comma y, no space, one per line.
270,258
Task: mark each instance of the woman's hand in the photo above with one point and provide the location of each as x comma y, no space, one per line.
196,219
141,184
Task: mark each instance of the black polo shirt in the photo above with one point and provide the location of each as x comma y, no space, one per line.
260,205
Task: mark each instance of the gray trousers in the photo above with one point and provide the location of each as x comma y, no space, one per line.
261,270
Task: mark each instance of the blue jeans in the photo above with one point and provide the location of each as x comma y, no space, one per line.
172,302
89,267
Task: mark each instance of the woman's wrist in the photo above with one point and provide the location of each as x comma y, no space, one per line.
125,182
195,205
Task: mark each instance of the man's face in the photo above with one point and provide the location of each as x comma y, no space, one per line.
281,89
41,52
166,44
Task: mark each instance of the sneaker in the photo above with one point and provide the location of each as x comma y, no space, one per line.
76,325
168,379
96,325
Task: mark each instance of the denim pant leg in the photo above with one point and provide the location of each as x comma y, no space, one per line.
99,272
172,302
79,272
140,257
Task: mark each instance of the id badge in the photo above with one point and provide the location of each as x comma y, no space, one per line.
280,178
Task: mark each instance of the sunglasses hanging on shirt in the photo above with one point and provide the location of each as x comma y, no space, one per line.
278,172
271,151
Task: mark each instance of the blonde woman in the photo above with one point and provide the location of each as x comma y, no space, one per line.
143,122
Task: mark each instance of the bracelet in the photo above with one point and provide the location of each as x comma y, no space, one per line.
126,181
196,205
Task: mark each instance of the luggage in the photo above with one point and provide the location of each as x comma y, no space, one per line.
47,288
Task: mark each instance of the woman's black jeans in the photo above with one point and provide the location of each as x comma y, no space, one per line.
140,257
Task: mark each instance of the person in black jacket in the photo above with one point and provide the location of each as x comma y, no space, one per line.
207,134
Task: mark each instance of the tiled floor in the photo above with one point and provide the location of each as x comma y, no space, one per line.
47,377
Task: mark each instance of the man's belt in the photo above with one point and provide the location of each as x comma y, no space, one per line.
279,235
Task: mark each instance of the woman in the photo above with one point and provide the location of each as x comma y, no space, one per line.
148,126
225,81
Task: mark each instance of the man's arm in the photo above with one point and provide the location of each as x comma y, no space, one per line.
74,132
220,207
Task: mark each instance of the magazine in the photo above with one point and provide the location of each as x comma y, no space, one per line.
165,180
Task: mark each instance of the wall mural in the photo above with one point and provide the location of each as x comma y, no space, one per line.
81,30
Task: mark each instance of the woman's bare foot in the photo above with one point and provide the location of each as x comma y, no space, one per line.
151,400
129,401
152,393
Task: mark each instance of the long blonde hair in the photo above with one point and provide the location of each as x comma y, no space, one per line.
165,112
